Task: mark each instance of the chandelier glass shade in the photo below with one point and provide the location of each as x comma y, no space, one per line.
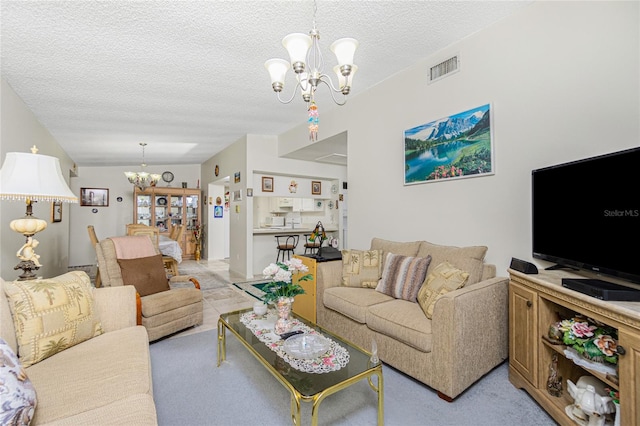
31,178
307,62
142,179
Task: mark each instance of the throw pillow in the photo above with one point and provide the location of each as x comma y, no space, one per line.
17,395
443,279
470,259
52,315
146,274
361,268
403,275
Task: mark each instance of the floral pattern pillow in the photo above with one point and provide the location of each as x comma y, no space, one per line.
17,394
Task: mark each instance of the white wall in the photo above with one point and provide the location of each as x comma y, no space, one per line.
111,221
563,81
20,129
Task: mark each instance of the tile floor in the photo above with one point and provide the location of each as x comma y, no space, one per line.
219,300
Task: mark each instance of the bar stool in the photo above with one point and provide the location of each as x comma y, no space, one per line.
286,245
311,247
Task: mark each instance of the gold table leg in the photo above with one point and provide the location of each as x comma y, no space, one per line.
222,347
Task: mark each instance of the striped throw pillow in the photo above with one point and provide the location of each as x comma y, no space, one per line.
403,276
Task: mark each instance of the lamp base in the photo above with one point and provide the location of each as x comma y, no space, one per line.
27,267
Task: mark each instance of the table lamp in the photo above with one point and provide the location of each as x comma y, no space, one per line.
31,178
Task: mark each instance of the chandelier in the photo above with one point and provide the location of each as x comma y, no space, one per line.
142,179
308,65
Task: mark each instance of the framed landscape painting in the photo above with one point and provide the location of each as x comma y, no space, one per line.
453,147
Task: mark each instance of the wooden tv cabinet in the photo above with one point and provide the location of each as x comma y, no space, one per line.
534,304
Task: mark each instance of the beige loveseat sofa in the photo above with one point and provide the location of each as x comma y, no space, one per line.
104,380
466,337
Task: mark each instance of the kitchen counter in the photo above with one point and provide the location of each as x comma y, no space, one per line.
288,230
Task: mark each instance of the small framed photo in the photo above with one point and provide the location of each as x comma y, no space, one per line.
316,187
217,211
267,184
237,195
236,177
56,211
94,197
249,192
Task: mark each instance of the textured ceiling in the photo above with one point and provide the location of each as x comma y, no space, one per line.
187,77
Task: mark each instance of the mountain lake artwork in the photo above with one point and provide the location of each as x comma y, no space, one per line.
453,147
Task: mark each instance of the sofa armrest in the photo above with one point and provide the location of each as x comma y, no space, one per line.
470,334
328,274
116,307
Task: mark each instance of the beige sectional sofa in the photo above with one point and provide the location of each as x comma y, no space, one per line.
104,380
466,337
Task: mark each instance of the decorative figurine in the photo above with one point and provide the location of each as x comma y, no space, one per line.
591,402
554,382
27,252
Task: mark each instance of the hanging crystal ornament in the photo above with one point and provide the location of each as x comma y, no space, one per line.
313,121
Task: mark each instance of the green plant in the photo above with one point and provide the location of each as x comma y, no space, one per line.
281,284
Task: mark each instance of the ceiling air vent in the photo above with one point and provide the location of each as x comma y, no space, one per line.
444,68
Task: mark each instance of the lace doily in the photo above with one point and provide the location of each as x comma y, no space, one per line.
262,327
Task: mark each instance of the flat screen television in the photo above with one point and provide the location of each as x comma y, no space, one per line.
586,214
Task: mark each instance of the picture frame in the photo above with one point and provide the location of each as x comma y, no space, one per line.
454,147
94,197
217,211
249,192
237,195
56,211
316,187
267,184
236,177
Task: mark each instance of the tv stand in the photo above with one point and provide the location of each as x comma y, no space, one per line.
537,301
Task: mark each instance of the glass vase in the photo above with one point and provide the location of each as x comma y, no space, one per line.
283,307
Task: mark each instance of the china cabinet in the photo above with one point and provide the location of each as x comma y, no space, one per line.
165,208
537,301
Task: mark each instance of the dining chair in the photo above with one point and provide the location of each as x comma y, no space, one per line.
174,232
311,247
94,240
165,306
170,263
138,229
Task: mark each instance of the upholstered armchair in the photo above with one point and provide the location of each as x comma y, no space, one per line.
165,306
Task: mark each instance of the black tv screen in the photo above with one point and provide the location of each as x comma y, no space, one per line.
586,214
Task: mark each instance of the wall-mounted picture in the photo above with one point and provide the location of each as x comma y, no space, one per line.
217,211
267,184
236,177
56,211
237,195
94,197
453,147
316,187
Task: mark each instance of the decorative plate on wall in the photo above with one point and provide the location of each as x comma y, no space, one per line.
167,177
162,201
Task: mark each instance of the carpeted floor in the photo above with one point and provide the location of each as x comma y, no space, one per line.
189,390
208,279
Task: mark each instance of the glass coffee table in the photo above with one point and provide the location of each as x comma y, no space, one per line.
305,386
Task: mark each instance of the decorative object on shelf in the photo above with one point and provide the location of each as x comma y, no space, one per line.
94,197
308,65
31,178
267,184
318,233
431,156
259,308
316,187
167,177
56,211
143,179
615,398
161,201
591,402
281,290
333,242
184,185
293,187
591,339
554,382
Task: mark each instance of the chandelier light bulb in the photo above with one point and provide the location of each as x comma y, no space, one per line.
344,82
297,44
344,49
277,70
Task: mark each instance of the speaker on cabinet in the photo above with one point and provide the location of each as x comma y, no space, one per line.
523,266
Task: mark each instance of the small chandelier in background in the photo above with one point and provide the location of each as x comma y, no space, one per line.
308,65
142,179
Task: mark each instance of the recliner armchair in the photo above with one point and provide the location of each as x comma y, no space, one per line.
161,313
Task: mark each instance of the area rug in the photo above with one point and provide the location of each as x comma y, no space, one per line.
252,288
190,390
208,279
